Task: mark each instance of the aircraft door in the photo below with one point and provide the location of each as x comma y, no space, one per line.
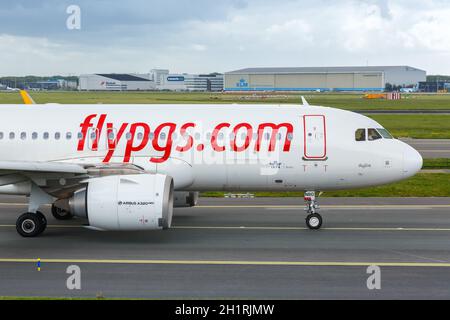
315,137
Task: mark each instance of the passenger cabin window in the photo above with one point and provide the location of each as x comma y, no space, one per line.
373,134
290,136
360,135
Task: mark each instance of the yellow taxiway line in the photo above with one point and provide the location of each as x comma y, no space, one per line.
266,228
304,228
387,206
232,262
350,206
48,226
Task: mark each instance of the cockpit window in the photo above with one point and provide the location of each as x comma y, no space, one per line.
373,134
360,135
385,133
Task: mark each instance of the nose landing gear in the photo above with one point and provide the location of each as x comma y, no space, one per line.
313,220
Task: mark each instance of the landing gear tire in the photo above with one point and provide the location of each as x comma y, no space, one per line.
61,214
31,225
314,221
43,220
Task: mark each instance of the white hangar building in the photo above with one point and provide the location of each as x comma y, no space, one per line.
115,82
322,78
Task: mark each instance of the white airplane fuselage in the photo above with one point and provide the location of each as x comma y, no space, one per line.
210,147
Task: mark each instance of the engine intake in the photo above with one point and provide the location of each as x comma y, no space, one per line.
126,202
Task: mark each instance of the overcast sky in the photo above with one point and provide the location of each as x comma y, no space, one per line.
221,35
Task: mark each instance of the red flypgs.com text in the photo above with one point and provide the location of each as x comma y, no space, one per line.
150,137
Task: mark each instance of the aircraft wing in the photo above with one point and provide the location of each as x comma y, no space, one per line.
54,178
58,179
34,166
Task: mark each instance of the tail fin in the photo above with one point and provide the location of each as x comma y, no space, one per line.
26,97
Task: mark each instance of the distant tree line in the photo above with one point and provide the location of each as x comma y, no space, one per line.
392,87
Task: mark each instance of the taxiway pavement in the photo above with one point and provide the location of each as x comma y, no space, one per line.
241,248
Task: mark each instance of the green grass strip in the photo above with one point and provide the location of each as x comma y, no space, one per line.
421,185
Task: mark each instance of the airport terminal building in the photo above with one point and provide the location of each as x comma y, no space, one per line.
186,82
357,79
114,82
157,79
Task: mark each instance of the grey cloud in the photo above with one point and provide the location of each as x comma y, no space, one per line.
47,18
383,6
220,35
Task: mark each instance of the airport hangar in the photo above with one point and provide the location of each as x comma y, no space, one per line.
157,79
114,82
322,78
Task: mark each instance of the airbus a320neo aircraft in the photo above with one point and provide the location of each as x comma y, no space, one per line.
124,167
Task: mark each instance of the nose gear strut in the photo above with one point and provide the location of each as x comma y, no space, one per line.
314,219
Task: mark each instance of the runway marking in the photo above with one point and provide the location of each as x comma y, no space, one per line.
387,206
235,262
266,228
427,143
327,209
349,206
48,226
19,204
416,256
304,228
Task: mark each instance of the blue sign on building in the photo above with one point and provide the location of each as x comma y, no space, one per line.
242,84
175,78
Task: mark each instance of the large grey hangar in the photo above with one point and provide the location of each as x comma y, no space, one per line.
322,78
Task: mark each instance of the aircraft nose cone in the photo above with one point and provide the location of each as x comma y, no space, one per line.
412,161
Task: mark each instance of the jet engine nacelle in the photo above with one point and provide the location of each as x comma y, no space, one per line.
126,202
184,199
